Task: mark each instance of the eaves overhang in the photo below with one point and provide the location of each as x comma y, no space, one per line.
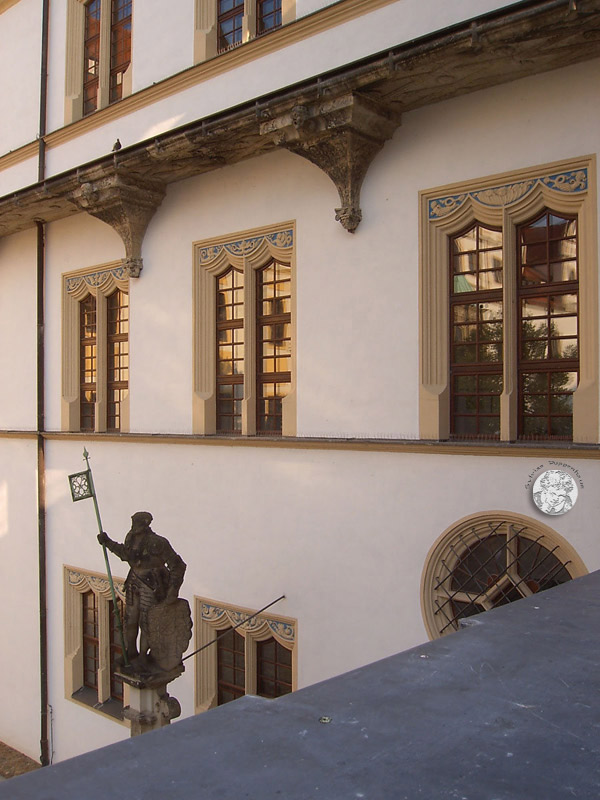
339,120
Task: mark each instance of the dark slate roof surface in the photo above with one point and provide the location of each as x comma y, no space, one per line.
506,708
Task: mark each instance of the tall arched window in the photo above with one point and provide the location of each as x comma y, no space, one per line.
243,333
476,332
509,307
548,301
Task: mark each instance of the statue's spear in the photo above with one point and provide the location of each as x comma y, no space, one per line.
82,488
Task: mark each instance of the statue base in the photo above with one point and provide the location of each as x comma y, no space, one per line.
150,705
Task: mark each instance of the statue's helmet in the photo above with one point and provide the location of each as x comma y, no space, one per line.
143,517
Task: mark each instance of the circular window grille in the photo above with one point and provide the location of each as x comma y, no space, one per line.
487,560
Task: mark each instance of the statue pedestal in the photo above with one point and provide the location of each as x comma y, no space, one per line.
150,706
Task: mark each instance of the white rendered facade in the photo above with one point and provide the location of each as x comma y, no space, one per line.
340,514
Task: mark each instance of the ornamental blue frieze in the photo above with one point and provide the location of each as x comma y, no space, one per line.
215,614
96,583
246,247
499,196
96,279
282,630
212,613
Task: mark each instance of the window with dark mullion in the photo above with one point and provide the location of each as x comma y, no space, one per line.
117,307
548,326
476,332
273,339
91,56
120,46
231,666
230,351
116,650
273,668
87,363
269,15
230,15
91,641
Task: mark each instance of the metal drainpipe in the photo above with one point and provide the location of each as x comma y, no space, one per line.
41,454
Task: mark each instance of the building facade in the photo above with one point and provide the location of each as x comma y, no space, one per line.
182,198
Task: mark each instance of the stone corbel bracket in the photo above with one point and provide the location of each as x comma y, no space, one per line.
127,205
341,136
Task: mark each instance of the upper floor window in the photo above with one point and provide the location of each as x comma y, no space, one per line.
96,350
268,15
509,270
98,63
229,23
221,25
243,373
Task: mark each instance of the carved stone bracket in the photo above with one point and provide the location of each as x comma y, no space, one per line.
341,136
127,205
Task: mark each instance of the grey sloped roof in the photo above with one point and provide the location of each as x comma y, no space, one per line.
506,708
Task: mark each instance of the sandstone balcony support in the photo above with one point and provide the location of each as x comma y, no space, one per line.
341,136
124,203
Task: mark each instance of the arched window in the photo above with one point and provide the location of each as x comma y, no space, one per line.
548,301
509,307
243,333
487,560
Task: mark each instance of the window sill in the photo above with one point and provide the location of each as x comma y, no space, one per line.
111,708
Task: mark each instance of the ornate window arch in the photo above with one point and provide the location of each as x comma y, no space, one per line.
248,253
79,585
214,618
489,559
111,406
504,202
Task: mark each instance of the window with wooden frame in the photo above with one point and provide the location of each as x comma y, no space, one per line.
92,642
98,55
95,384
269,16
509,270
490,559
243,334
258,657
221,25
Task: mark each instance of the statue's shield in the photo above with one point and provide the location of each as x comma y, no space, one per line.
169,633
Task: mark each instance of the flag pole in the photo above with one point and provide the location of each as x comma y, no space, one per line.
92,493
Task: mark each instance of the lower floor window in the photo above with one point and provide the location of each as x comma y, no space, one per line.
488,560
258,657
92,641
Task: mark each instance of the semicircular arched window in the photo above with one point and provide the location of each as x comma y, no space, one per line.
487,560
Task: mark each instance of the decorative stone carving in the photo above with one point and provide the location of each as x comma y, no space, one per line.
570,182
341,136
127,205
284,632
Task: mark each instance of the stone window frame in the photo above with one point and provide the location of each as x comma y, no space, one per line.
74,60
99,281
505,201
205,26
76,583
248,251
211,617
457,538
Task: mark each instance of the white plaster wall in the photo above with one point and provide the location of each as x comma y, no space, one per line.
344,535
20,38
18,176
18,337
163,43
357,295
19,618
370,33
